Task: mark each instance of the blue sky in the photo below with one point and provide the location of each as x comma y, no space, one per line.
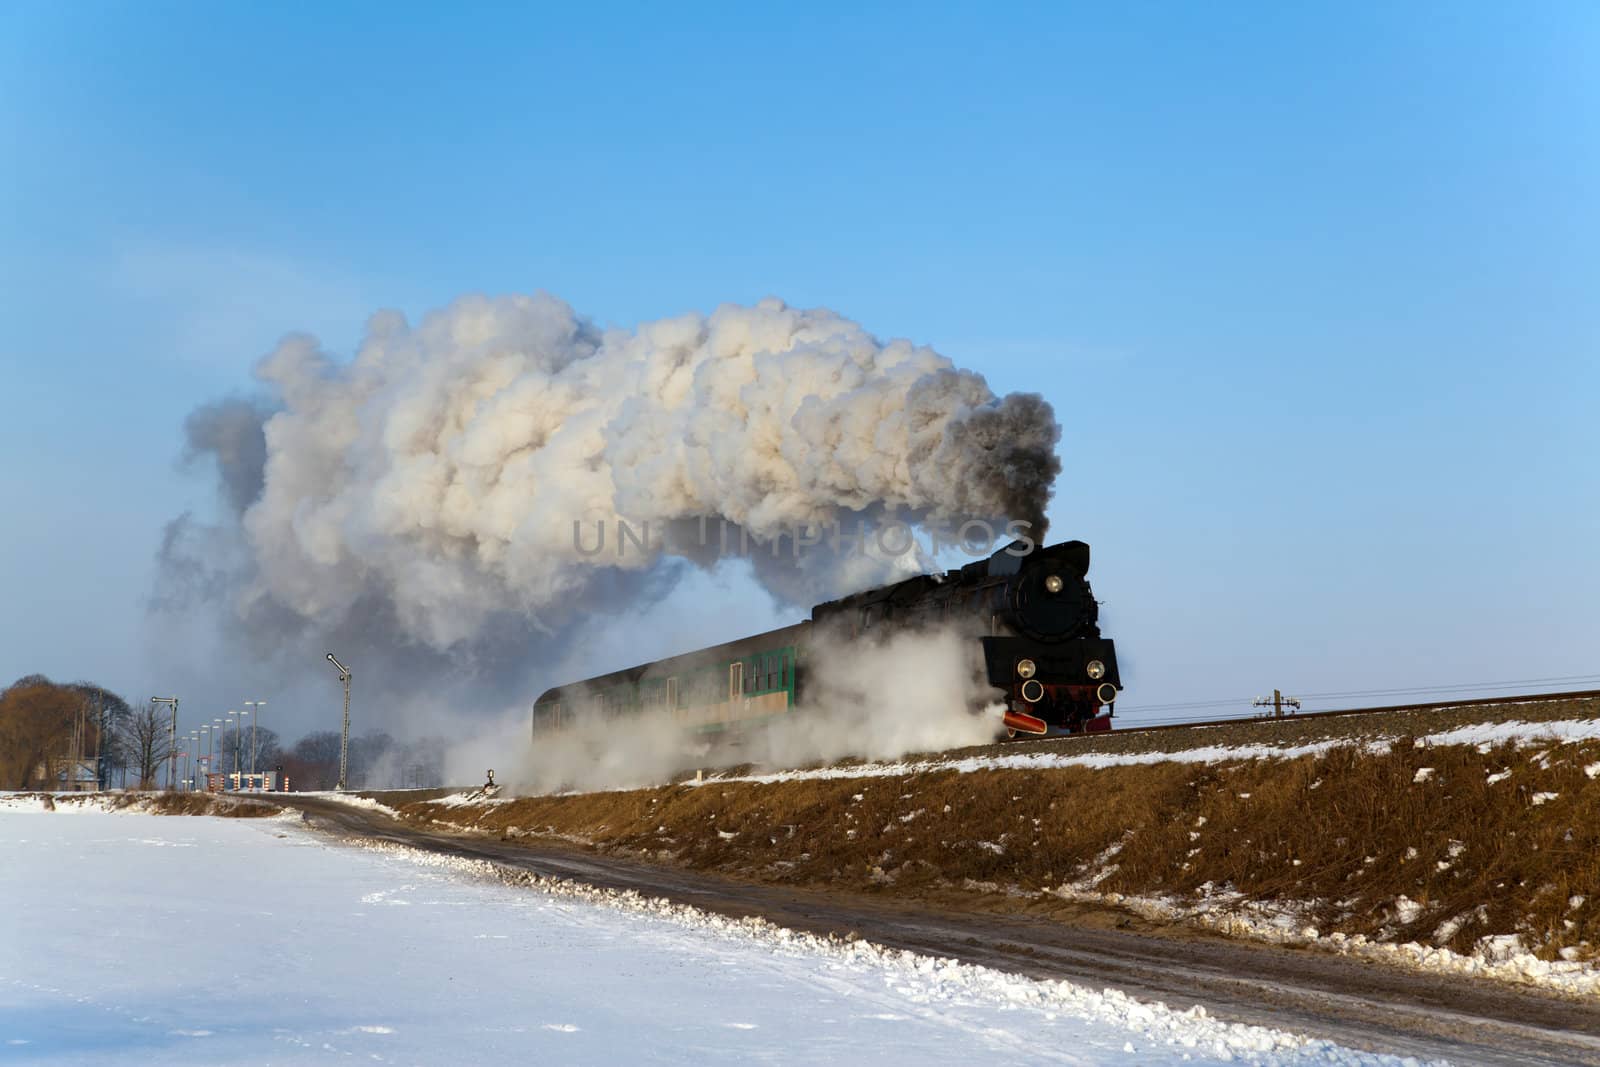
1311,287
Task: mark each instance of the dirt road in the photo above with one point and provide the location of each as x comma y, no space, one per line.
1353,1002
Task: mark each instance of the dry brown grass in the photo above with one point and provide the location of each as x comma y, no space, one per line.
1345,833
162,803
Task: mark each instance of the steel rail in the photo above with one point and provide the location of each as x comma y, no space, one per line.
1474,702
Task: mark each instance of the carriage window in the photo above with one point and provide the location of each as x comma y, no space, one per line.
672,692
547,716
735,680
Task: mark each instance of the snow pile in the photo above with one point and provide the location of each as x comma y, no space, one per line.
472,798
1502,957
1560,731
20,802
930,980
121,803
354,801
1035,761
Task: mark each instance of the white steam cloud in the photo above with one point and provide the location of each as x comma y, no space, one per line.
912,692
417,503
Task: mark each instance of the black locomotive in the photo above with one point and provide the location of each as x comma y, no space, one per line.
1030,608
1036,618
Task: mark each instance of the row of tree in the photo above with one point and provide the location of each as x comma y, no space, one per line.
48,730
376,761
42,723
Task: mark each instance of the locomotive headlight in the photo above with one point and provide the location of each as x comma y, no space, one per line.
1026,668
1096,669
1053,584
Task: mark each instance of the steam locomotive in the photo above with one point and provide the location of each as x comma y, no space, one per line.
1030,609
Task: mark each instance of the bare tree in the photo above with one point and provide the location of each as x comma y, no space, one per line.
106,711
147,737
237,741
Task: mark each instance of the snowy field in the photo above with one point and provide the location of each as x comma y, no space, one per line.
132,938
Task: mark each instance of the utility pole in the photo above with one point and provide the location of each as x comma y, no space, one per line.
172,739
344,740
238,749
1277,703
102,773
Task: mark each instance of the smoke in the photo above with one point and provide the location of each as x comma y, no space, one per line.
639,751
911,692
416,504
231,432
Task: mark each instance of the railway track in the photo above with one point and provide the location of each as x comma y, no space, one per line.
1252,729
1440,705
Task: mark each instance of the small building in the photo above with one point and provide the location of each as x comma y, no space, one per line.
66,774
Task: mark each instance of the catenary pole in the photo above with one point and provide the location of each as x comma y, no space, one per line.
344,738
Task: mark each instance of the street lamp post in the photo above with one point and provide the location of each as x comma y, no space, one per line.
344,739
205,735
216,744
256,706
238,746
233,728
